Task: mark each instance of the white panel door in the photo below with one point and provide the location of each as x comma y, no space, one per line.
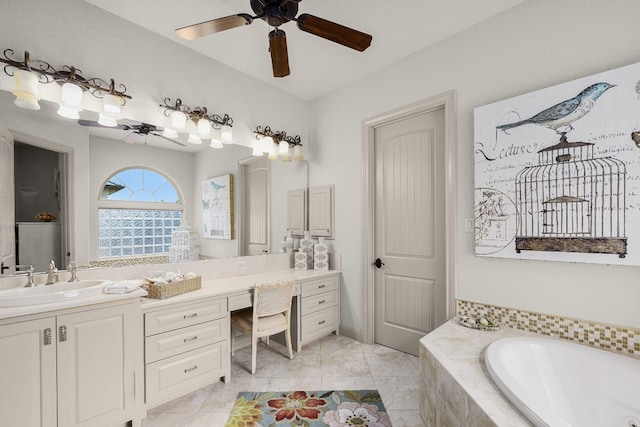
28,374
255,207
7,207
410,285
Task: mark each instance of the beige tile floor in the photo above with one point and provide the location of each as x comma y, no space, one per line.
333,363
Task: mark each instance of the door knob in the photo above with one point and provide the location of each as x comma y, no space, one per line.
378,263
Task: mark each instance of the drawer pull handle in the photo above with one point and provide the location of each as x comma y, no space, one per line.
62,333
322,302
47,336
190,316
321,286
193,338
323,322
186,371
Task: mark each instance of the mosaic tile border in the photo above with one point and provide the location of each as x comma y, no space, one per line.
607,337
130,261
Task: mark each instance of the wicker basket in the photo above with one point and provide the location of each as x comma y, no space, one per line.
172,289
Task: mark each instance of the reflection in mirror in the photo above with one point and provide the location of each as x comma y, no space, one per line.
94,155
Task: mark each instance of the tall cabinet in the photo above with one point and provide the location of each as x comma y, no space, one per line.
75,368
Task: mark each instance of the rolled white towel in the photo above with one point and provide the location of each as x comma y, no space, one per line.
123,286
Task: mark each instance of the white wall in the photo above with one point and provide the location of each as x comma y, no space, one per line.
537,44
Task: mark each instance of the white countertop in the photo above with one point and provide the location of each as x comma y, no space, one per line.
460,351
25,310
236,284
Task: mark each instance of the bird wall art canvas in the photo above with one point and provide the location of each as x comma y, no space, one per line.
217,208
557,172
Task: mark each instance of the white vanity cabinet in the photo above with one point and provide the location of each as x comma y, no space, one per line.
76,368
319,302
186,348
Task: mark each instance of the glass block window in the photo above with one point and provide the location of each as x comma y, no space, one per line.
135,232
138,210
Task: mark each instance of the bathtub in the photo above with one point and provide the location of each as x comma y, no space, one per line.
560,384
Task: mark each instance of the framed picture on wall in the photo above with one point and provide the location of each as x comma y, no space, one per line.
557,172
217,207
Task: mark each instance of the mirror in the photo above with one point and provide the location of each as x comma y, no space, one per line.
92,157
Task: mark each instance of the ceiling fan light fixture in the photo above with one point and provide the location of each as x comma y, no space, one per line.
26,89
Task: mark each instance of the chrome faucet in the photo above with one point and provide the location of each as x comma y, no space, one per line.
29,273
52,274
73,269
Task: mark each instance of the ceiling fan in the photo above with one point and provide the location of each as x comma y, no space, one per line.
276,13
138,131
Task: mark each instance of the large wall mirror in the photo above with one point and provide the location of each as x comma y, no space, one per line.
78,160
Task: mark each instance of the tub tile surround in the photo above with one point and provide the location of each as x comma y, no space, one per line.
456,389
607,337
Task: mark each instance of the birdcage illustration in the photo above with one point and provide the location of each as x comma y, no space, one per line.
571,202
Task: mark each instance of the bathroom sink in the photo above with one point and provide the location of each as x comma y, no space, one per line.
58,292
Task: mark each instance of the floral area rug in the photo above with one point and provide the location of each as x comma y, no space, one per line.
346,408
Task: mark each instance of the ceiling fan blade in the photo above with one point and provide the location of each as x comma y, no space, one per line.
195,31
279,54
335,32
92,123
169,139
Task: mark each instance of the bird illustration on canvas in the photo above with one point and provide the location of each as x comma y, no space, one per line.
560,117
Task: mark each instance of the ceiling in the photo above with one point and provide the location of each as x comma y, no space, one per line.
318,66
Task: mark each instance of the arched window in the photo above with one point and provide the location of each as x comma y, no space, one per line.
137,210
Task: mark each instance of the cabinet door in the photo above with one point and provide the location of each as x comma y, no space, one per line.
28,374
96,367
321,216
297,211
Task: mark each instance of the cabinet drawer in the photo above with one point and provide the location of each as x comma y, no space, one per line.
318,302
317,286
169,378
178,317
320,323
238,302
170,343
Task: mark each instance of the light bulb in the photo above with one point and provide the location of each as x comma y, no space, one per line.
226,134
71,101
170,133
111,106
297,152
107,121
257,151
267,146
194,139
215,143
26,90
283,147
179,120
204,128
286,158
272,156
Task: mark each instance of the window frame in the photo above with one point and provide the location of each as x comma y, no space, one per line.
135,205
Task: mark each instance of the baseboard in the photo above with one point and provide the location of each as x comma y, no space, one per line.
351,333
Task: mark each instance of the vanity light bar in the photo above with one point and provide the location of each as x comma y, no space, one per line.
277,143
198,122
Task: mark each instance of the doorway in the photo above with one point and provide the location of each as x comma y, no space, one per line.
409,233
40,208
253,206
